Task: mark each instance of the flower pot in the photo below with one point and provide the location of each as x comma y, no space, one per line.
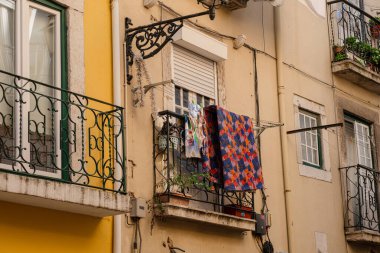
239,211
375,31
175,198
338,49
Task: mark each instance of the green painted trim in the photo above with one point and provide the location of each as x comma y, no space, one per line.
50,4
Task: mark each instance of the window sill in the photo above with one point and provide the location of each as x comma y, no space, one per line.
61,196
315,173
206,217
364,237
356,73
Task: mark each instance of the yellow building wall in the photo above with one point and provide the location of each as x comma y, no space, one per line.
37,230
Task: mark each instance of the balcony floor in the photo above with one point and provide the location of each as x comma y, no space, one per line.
356,73
61,196
364,237
203,216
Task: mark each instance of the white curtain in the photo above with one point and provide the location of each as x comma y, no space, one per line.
6,36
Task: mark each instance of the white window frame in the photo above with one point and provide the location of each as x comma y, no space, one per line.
324,173
22,33
313,136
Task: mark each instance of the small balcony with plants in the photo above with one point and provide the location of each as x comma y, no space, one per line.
60,149
361,204
355,38
184,190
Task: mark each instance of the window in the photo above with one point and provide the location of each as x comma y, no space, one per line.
195,79
310,140
358,141
32,45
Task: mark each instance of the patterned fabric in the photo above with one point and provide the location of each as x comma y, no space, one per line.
194,132
230,153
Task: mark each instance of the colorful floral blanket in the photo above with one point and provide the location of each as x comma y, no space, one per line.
230,153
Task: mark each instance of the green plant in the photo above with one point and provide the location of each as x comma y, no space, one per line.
185,181
373,22
340,57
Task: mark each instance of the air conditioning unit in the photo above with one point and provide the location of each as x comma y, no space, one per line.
228,4
275,3
236,4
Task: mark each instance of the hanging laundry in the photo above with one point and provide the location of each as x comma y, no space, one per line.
230,152
194,131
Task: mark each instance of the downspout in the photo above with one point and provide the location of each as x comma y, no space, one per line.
117,101
282,113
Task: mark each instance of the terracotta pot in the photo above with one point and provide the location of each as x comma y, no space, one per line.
175,198
338,49
239,211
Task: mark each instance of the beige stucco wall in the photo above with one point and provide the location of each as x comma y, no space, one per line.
239,90
315,206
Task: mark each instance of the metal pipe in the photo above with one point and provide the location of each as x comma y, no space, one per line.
282,117
116,100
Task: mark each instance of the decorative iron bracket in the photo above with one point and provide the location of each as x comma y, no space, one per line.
150,39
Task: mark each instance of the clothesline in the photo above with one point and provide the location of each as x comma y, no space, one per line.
260,129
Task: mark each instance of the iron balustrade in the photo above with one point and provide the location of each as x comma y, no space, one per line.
360,187
56,134
179,177
355,34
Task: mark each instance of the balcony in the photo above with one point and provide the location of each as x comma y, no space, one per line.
355,36
360,188
59,149
184,191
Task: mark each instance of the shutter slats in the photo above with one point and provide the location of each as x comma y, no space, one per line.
194,72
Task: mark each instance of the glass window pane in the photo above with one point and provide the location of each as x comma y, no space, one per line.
207,101
185,98
199,100
42,62
302,121
304,156
7,36
177,95
7,91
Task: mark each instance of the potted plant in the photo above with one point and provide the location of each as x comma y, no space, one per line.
179,186
374,25
340,56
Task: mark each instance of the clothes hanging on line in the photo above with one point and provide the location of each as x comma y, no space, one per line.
230,154
194,136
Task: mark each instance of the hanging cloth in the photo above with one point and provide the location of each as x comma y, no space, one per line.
230,153
194,131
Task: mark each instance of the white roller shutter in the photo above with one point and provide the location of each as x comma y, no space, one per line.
194,72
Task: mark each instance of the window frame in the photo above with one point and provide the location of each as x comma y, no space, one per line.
353,119
324,173
22,67
319,149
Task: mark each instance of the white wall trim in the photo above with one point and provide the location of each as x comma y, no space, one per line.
323,174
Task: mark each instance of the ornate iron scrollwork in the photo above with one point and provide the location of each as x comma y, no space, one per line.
150,39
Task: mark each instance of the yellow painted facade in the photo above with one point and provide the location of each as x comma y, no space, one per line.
39,230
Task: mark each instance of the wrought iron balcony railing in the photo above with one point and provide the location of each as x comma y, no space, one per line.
178,177
56,134
355,34
360,187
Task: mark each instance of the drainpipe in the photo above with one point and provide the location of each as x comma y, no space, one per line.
117,101
282,116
